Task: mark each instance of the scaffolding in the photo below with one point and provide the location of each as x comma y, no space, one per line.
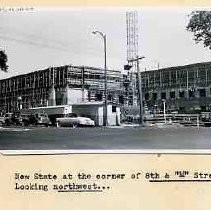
183,88
39,88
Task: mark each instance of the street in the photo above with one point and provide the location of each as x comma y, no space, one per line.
40,138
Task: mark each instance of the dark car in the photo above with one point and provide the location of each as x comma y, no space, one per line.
28,119
12,119
35,119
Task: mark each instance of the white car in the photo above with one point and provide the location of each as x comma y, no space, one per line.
73,120
2,120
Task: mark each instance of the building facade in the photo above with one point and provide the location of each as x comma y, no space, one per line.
59,86
185,89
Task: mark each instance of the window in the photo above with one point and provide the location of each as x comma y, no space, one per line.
182,109
163,95
181,94
130,102
172,94
72,115
110,97
154,96
121,99
203,108
113,108
146,96
191,93
99,96
202,93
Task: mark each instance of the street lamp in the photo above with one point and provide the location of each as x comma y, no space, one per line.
105,123
139,88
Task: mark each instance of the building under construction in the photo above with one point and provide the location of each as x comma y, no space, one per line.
183,89
59,86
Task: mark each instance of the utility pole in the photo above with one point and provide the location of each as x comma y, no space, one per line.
53,88
164,110
139,88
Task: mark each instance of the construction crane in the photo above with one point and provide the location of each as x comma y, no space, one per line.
132,52
132,35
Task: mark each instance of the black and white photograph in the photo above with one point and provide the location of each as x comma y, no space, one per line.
105,78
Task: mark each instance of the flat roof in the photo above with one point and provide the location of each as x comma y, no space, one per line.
92,103
178,67
56,68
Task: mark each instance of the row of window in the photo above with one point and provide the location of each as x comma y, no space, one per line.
172,94
190,75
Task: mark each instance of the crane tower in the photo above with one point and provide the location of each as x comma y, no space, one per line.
132,52
132,34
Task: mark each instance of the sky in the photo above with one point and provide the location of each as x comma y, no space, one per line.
44,38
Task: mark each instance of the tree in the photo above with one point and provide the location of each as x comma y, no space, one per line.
200,25
3,61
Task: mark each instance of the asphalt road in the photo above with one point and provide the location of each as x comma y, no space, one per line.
104,138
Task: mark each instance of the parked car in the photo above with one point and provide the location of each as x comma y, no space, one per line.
35,119
12,119
73,120
206,117
28,119
42,119
2,121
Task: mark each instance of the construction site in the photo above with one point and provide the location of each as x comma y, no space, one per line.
184,89
71,84
59,86
90,104
180,89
